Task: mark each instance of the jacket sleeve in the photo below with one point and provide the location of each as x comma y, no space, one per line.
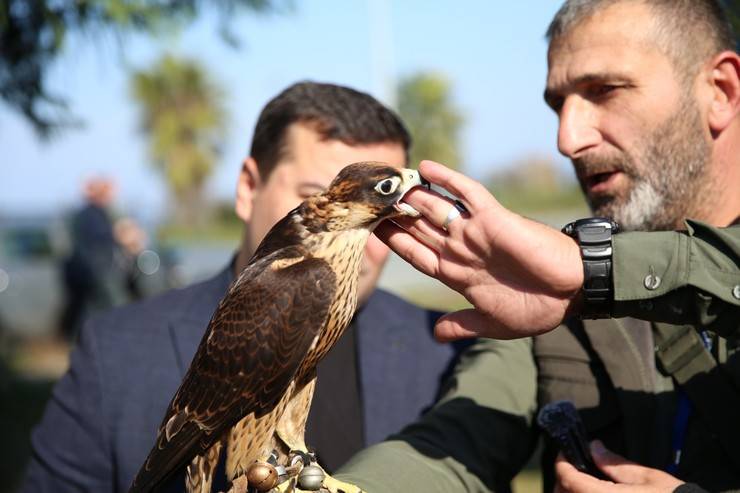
475,439
689,277
69,449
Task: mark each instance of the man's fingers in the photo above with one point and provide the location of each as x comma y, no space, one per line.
434,207
462,324
413,251
419,228
468,323
629,474
473,194
572,480
423,230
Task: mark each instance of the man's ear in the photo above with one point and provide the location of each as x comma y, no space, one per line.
725,82
246,188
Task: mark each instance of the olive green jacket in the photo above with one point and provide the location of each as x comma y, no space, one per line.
621,374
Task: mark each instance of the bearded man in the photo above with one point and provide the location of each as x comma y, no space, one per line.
647,93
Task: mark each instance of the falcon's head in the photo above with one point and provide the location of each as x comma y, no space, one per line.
362,195
359,198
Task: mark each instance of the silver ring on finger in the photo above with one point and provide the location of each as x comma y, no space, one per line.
453,214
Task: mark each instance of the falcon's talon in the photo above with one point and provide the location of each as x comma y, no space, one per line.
284,487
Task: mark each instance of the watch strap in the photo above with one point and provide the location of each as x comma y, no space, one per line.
594,238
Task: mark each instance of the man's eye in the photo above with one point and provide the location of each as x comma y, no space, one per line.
602,90
386,186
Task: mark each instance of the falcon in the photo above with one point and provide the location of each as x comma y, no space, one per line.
251,381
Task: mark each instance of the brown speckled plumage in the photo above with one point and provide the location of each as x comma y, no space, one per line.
249,386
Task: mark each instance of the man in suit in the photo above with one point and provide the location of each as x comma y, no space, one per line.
104,413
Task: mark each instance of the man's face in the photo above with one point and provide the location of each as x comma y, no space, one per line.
308,167
630,125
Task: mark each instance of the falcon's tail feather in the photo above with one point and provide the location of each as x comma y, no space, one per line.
167,458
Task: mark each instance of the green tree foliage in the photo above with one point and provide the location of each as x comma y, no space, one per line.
33,34
534,185
184,118
425,104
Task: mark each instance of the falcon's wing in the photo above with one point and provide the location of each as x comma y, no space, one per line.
255,342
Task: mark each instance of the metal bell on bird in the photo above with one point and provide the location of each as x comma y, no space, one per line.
310,478
262,476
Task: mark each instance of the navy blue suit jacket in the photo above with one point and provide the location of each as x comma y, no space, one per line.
103,416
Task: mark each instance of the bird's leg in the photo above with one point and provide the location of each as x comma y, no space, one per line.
291,428
292,424
199,474
249,441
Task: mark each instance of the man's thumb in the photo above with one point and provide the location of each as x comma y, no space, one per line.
462,324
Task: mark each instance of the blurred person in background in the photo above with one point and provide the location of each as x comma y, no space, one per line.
103,416
94,277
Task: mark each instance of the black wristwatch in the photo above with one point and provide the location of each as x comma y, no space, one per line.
594,237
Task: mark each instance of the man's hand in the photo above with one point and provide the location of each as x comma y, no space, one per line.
521,276
626,476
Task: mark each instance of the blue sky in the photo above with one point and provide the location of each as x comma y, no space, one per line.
492,52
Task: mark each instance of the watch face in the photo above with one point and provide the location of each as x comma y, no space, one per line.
571,229
605,221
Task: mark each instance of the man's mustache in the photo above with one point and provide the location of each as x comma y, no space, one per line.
590,166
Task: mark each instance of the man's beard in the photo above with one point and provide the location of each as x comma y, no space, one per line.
668,174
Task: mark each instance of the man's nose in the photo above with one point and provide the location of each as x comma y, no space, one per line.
577,130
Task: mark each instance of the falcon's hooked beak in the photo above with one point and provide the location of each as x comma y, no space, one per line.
410,178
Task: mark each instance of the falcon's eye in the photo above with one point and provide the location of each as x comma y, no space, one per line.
388,186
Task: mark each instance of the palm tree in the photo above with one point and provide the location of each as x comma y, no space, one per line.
425,104
184,117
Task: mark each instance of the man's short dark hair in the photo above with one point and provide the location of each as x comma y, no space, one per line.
689,32
335,112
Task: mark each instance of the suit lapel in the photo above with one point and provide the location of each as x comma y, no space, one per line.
399,361
382,349
189,323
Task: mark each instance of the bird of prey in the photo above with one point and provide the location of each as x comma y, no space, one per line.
250,384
